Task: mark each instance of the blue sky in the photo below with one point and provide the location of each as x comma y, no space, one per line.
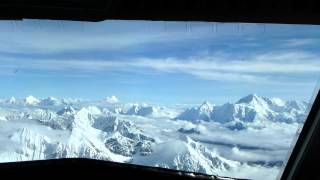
159,62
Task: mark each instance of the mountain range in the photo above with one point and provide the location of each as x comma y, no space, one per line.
49,128
248,109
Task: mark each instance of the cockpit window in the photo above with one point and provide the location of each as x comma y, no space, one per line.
215,98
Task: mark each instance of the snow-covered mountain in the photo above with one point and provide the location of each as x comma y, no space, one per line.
188,155
26,144
202,112
86,134
183,138
141,110
124,137
41,102
145,110
248,109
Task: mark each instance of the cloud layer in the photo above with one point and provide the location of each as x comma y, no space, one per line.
260,68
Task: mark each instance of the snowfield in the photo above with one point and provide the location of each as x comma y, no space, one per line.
246,139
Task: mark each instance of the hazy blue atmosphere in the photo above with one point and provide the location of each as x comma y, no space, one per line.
163,62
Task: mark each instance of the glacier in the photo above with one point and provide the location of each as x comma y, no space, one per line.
249,138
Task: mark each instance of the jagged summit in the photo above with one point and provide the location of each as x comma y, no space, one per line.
249,98
202,112
206,106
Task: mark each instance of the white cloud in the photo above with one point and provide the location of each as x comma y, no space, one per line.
110,35
227,76
283,62
272,67
107,35
112,99
299,42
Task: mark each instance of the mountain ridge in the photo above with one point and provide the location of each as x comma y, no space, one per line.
248,109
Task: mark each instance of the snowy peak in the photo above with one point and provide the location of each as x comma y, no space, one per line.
126,138
249,99
206,106
119,136
262,103
248,109
273,104
68,110
257,102
202,112
112,124
83,118
142,110
187,155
